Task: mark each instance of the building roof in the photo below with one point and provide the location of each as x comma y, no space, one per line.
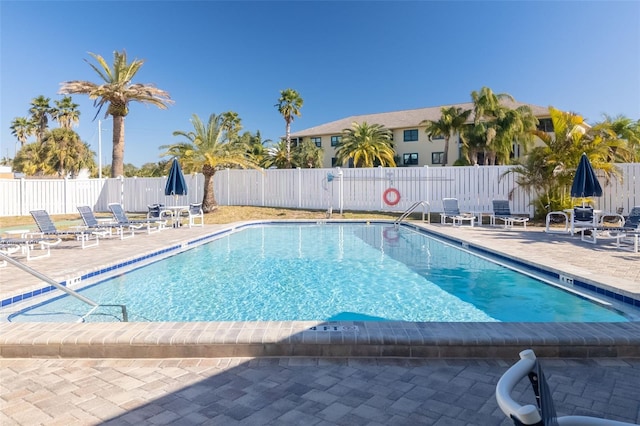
401,119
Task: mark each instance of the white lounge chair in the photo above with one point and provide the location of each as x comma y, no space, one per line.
502,211
91,223
543,413
150,224
452,212
47,227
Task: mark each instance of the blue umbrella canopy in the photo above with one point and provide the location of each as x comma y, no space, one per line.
585,182
176,184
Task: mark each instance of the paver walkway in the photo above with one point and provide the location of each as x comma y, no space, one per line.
298,391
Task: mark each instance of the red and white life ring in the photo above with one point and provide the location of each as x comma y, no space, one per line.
393,199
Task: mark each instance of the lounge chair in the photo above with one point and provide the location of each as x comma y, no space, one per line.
543,413
47,227
452,212
502,211
91,223
150,224
26,246
193,215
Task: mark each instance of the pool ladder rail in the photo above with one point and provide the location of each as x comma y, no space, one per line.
426,209
94,305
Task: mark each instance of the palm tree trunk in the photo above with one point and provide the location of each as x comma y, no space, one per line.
209,202
117,156
288,135
445,155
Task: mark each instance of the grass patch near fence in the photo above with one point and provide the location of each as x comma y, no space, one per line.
222,215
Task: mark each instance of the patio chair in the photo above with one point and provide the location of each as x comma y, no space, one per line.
47,227
502,211
452,212
582,219
91,223
150,224
543,413
193,214
159,211
8,246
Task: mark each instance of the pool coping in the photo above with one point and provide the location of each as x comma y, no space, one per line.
314,339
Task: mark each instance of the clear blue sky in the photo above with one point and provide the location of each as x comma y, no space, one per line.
344,58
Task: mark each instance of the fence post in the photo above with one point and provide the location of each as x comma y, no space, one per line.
262,173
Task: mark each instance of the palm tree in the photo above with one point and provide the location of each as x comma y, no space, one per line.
231,125
366,145
66,113
289,106
22,128
40,111
277,156
33,160
116,92
206,151
451,121
511,126
67,154
308,156
549,169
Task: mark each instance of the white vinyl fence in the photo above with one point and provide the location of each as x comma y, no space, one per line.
319,189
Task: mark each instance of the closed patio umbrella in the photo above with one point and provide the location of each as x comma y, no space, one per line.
585,182
176,184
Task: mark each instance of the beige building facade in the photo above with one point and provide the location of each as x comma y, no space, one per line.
411,142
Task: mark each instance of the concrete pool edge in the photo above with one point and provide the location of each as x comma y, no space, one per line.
297,339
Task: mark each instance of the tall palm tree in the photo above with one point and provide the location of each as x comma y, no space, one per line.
66,113
205,150
40,111
451,121
22,128
116,91
289,106
366,145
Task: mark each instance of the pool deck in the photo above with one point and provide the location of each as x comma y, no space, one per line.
284,373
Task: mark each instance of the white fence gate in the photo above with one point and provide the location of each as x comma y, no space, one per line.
318,189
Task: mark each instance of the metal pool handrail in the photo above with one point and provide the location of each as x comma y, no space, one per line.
412,208
67,290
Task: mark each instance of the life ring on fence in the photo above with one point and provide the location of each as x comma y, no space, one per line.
390,235
395,199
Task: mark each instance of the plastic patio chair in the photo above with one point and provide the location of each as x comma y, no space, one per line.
543,413
150,224
194,215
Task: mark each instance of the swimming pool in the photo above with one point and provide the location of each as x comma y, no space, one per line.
326,272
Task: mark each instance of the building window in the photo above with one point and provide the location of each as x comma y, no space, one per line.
333,161
410,159
437,157
317,141
411,135
335,140
438,136
545,125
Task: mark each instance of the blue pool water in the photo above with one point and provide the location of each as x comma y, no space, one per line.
328,272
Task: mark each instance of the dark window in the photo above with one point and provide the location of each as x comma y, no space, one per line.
410,159
317,141
333,162
438,136
411,135
545,125
437,157
335,140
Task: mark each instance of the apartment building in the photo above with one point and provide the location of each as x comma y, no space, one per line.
412,144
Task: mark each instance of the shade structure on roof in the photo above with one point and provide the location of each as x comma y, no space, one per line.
585,182
176,184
